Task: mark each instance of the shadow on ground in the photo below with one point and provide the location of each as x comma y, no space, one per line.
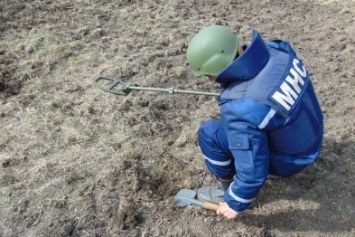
318,199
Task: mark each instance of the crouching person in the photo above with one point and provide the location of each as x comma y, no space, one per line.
271,123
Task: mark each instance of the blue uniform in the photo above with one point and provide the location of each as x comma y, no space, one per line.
271,121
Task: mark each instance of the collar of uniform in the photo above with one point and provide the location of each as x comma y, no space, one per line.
248,64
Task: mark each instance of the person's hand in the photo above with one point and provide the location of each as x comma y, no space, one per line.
226,211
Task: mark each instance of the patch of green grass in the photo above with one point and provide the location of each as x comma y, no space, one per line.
159,166
311,196
34,44
76,60
63,192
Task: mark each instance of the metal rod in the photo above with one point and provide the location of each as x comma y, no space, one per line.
172,90
126,88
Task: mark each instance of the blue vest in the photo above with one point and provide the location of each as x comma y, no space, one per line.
273,74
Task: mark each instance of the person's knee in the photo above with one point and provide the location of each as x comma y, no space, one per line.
207,129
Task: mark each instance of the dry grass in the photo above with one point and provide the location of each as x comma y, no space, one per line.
80,162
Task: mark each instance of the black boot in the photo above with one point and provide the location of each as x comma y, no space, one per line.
224,182
214,194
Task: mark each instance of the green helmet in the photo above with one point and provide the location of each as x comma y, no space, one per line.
211,50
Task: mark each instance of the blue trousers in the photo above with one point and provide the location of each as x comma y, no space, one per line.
219,160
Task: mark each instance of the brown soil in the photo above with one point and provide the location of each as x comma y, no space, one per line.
80,162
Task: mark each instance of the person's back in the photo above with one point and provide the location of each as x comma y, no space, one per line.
283,84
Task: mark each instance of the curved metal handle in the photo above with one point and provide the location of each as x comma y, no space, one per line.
113,83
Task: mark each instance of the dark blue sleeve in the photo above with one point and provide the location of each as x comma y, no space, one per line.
249,147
